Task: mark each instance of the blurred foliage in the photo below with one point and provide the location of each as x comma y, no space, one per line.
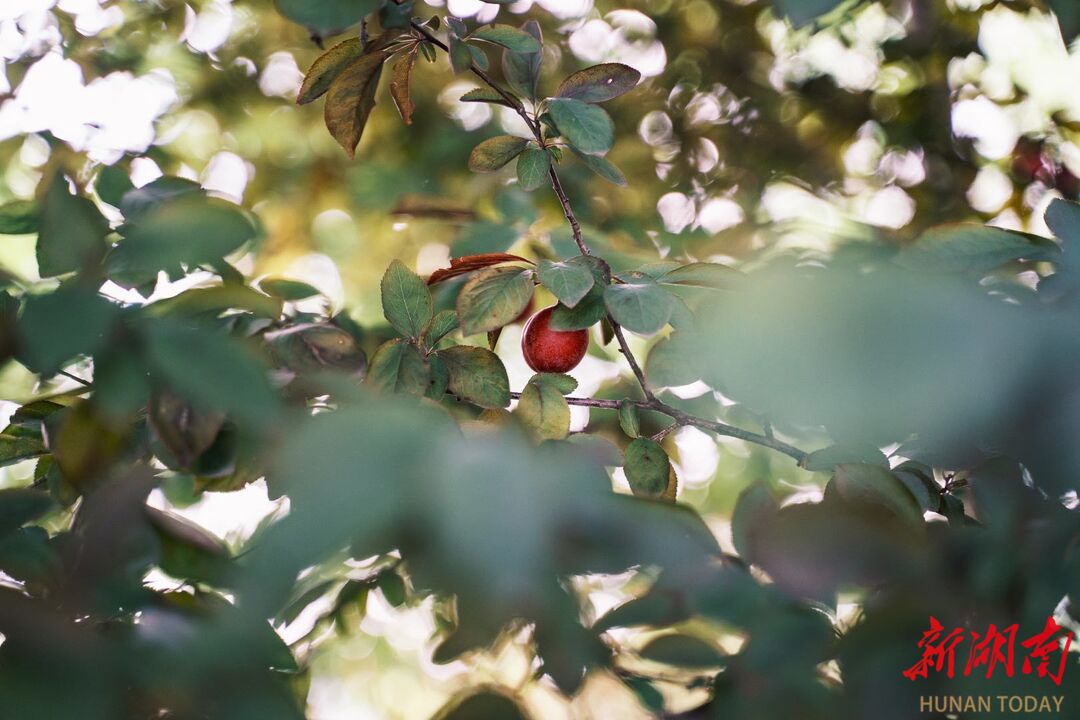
782,203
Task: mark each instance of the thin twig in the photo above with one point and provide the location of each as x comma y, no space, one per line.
684,418
76,378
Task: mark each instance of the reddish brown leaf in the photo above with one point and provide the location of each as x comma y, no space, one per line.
470,263
399,86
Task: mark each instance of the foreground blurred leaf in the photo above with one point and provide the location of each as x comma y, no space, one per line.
876,486
683,651
188,229
71,233
213,370
801,12
327,16
19,506
68,322
972,249
482,706
18,217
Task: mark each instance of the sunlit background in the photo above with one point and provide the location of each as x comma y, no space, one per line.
768,139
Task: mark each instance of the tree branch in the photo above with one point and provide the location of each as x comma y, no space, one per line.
684,418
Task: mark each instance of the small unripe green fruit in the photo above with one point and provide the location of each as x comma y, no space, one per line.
552,351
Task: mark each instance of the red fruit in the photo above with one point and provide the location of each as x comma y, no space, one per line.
553,351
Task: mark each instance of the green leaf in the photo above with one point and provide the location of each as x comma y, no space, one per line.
16,448
185,431
216,300
1063,218
316,347
640,306
522,70
532,168
461,57
495,152
483,706
570,281
481,238
112,183
492,298
188,229
326,69
71,233
484,95
801,12
599,83
213,370
975,249
444,323
327,17
406,300
187,551
700,275
586,127
351,98
602,167
399,367
683,651
672,362
591,309
140,200
542,407
479,57
19,506
876,486
476,375
508,37
19,217
288,290
628,419
647,467
826,459
1068,17
61,325
394,15
753,509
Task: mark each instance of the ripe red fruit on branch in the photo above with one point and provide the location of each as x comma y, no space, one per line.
552,351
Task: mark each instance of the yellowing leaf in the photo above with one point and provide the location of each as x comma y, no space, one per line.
351,98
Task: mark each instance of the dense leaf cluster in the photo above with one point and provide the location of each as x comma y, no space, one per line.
407,474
